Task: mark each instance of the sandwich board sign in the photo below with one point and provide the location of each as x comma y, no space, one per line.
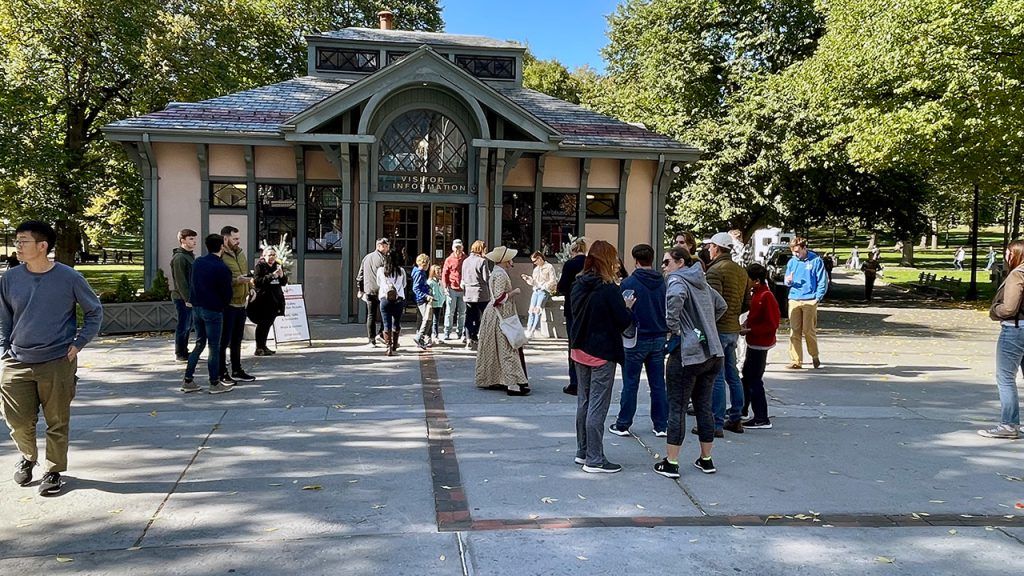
294,325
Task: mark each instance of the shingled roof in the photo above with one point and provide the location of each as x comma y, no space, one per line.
264,110
414,37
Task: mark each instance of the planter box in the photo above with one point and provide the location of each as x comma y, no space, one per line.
553,324
138,317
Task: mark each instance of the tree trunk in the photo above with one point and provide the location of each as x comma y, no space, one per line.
907,258
872,240
68,235
972,289
924,242
1015,232
935,235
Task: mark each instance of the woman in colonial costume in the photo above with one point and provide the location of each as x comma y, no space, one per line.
499,366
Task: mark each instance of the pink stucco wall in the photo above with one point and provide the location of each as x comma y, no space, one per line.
323,287
318,167
177,196
638,202
604,173
226,161
524,173
561,172
274,162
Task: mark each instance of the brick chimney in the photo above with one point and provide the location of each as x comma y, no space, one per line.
387,19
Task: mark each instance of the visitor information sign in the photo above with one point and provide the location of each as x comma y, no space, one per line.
293,326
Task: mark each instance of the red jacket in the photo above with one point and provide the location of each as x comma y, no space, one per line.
763,320
451,273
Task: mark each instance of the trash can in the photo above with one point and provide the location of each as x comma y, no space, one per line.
781,292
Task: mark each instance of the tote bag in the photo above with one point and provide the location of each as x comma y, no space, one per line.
513,331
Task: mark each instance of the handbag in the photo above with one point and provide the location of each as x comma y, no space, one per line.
513,331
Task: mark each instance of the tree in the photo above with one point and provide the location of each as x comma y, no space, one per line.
550,77
69,67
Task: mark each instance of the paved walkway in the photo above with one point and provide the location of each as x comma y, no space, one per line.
337,461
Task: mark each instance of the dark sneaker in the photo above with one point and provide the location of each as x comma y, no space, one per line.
606,468
1004,431
187,385
181,358
705,465
23,472
667,469
522,391
51,484
218,388
660,433
580,461
241,376
733,426
718,432
793,366
260,352
816,363
227,380
570,390
373,342
420,343
757,424
614,429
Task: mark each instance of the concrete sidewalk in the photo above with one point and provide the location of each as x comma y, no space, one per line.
340,461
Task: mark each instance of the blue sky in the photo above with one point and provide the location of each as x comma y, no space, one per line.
573,31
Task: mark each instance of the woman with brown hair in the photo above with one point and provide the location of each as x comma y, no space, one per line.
476,277
600,315
1006,309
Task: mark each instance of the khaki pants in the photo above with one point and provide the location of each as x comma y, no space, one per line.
26,387
803,323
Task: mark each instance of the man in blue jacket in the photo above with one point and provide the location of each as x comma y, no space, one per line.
572,268
648,350
807,281
209,293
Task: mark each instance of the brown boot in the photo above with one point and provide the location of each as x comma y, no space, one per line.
386,337
394,340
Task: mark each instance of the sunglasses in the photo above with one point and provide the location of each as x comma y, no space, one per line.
665,262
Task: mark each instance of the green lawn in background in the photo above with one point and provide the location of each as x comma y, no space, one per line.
104,277
938,262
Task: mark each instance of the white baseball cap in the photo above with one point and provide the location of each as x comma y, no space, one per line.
456,243
723,239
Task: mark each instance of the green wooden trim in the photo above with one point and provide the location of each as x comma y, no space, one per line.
202,153
499,182
667,178
481,189
196,136
347,259
581,199
622,152
510,164
515,145
625,167
300,213
364,217
250,202
150,207
319,138
537,191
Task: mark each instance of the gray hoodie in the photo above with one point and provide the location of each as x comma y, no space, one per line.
692,304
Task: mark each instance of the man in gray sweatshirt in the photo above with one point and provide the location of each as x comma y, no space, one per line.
39,344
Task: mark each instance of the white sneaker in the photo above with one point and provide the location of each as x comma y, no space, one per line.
1005,431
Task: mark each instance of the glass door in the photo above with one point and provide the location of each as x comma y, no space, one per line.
449,224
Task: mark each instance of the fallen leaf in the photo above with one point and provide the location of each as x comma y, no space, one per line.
153,413
581,496
25,499
549,500
534,516
118,511
271,529
313,487
442,557
1019,505
275,484
133,548
23,525
581,558
63,559
379,506
937,501
884,560
953,532
693,541
641,507
353,481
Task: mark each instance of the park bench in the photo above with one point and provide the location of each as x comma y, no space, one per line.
930,284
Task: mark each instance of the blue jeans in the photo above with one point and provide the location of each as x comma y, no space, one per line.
1009,358
648,353
208,328
456,313
391,311
540,296
730,374
182,329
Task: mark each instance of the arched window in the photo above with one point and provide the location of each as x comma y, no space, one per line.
423,151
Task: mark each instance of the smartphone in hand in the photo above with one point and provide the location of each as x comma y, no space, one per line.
627,294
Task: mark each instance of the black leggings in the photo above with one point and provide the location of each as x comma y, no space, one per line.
753,382
690,382
262,330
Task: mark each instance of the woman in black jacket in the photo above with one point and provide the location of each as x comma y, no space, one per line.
600,315
268,304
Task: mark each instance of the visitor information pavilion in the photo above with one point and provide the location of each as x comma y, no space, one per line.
417,136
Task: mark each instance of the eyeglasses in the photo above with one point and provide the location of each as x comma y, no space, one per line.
665,262
20,243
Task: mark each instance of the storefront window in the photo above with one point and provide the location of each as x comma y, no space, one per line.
603,206
227,195
276,213
323,218
517,221
558,212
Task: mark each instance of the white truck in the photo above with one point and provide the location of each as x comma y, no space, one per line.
768,240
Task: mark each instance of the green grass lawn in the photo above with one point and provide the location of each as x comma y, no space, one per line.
104,277
938,262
